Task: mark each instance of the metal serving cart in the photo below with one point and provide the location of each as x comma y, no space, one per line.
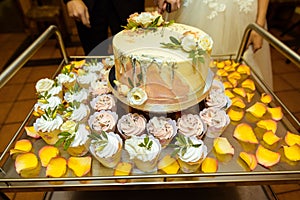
230,172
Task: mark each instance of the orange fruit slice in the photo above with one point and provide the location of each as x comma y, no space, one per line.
249,159
209,165
81,166
266,157
222,146
244,132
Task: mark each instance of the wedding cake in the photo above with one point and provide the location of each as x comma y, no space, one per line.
161,66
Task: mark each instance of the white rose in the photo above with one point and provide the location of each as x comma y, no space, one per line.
205,42
44,85
160,20
137,96
145,19
68,126
188,42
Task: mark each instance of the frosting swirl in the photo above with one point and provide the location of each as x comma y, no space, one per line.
162,128
86,78
132,146
215,117
132,124
48,124
217,99
104,120
112,146
50,103
192,153
103,102
79,113
191,125
79,96
99,87
81,136
66,78
93,67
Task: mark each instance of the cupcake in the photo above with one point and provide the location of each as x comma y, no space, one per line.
217,99
76,111
104,120
47,103
74,137
216,120
98,87
191,125
162,128
104,102
93,66
76,93
84,79
45,87
144,151
106,148
131,124
48,126
67,79
190,151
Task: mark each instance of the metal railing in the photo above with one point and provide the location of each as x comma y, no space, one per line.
15,66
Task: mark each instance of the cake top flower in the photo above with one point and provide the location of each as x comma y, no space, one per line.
145,20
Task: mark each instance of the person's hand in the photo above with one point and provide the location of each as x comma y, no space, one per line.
78,10
255,40
162,4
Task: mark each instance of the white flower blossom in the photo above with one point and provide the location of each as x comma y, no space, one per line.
188,42
205,42
44,85
136,96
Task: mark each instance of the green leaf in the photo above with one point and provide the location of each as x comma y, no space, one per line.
130,83
175,41
64,134
59,142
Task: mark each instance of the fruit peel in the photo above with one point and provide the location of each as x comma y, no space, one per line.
81,166
266,157
244,132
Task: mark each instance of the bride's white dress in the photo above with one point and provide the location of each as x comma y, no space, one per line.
225,21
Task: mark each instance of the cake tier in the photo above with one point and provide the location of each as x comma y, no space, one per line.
171,78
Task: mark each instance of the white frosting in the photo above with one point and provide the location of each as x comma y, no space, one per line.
66,78
132,124
217,99
81,136
93,67
47,124
142,153
55,90
215,117
104,120
79,96
193,154
162,128
103,102
191,125
80,113
87,78
52,103
98,87
114,143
